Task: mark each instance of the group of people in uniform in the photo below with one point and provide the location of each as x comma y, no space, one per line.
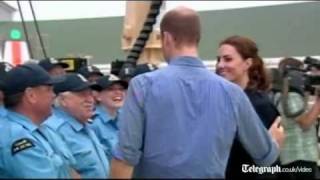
56,124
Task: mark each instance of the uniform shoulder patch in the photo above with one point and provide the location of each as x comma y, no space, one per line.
20,145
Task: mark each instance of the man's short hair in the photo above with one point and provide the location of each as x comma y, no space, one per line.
183,24
10,102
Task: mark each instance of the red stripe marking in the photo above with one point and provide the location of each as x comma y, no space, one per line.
16,52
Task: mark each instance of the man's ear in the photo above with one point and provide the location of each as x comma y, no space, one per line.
62,100
167,38
98,96
164,38
30,95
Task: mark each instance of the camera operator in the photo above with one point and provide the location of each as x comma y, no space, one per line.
300,146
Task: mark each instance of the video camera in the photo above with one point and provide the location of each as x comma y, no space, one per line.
123,69
312,62
75,63
128,69
300,80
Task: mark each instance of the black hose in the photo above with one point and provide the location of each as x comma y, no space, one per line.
145,32
25,30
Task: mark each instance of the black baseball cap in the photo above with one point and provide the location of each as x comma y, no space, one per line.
144,68
107,81
4,68
127,71
50,63
73,82
87,71
27,75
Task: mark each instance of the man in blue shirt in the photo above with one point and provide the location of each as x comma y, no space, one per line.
180,121
111,94
25,151
75,106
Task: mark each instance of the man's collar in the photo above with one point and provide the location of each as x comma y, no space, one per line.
186,61
22,119
76,125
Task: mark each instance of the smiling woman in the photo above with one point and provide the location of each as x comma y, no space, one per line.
239,62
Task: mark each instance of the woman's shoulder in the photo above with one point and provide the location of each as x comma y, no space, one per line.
263,105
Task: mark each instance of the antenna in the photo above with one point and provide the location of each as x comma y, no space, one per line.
25,29
38,30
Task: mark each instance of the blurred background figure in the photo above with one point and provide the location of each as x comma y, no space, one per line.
127,74
4,68
239,62
53,66
92,73
144,68
111,95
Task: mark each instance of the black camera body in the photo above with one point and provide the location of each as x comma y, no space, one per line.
123,69
300,80
312,62
295,79
75,63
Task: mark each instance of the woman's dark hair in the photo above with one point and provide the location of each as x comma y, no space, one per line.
258,78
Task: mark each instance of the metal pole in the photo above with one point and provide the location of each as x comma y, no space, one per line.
25,30
38,30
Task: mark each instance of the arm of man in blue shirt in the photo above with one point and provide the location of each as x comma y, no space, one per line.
251,132
122,164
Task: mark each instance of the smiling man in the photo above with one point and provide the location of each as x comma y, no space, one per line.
75,107
25,151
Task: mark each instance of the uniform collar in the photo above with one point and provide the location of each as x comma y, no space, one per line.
76,125
103,114
186,61
3,111
21,119
56,117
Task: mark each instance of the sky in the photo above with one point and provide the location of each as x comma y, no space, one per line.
54,10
